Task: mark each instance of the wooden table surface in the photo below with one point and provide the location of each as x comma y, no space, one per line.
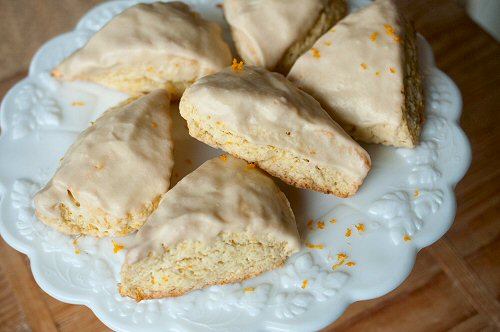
455,284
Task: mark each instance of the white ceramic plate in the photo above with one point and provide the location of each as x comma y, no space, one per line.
406,203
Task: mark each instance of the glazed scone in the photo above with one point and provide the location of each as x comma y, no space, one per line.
274,33
225,222
365,73
114,175
263,118
150,46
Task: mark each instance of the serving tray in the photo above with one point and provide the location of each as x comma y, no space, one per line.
354,249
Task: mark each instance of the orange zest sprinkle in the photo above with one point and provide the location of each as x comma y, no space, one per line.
342,256
377,73
73,198
116,247
407,238
75,243
417,193
321,224
363,65
315,52
339,264
310,224
251,165
333,30
77,103
154,125
248,289
350,263
188,161
333,221
237,66
397,39
223,157
304,283
360,227
139,295
374,36
348,233
328,44
153,279
165,278
315,246
392,70
229,142
389,29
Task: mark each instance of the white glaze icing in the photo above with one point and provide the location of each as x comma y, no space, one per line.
265,29
168,36
336,76
222,195
266,109
118,164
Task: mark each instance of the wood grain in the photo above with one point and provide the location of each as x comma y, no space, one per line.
15,266
469,283
455,284
27,24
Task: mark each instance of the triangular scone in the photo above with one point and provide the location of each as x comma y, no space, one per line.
150,46
263,118
225,222
274,33
114,175
365,73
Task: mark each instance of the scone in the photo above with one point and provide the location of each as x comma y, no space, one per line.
147,47
225,222
274,33
114,175
263,118
365,73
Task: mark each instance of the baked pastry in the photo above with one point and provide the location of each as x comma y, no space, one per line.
150,46
225,222
365,73
114,175
274,33
263,118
